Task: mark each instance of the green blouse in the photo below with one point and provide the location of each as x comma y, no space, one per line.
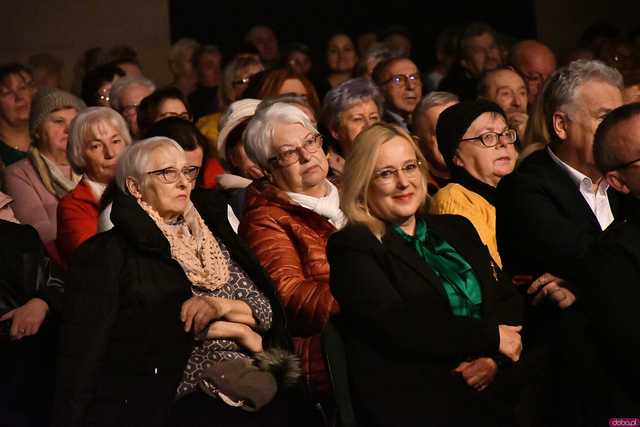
458,278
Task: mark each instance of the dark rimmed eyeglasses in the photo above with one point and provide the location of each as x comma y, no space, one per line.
170,175
288,157
491,139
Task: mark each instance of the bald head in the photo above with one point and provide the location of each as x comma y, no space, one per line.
616,148
535,62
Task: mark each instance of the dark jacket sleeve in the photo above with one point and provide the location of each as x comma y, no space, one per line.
90,309
535,234
362,284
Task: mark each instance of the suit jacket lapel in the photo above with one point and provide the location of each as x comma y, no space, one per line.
405,253
567,193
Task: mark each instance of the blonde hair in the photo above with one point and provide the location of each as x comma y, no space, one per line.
358,174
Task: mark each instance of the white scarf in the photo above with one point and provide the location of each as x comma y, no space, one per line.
327,206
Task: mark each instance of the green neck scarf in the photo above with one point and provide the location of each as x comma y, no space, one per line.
458,279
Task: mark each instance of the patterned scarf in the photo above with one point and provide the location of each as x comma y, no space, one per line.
194,247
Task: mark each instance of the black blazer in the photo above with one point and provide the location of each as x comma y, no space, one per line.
543,224
401,339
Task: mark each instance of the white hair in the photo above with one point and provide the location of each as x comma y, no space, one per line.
178,50
85,127
122,84
135,160
435,99
258,137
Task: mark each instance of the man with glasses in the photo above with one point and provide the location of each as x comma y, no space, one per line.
550,212
613,294
15,107
126,95
400,82
478,52
535,62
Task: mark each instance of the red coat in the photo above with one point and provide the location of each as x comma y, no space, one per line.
78,214
290,242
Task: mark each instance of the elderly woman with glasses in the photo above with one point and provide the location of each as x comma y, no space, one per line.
479,149
98,136
347,110
427,317
159,299
288,218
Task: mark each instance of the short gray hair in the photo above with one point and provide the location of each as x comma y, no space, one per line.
435,99
179,48
258,137
376,52
122,84
84,128
560,89
134,161
346,95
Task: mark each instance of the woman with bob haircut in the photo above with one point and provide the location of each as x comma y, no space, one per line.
288,218
282,81
163,298
97,138
428,319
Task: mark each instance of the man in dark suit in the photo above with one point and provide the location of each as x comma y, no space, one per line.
549,213
552,208
612,296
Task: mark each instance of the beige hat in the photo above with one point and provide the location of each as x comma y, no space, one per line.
237,113
49,100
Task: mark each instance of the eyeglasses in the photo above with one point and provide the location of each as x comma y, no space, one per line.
289,157
386,176
170,175
491,139
243,81
402,79
184,116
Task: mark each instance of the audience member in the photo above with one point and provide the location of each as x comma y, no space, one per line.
181,65
375,54
264,40
97,84
341,57
211,305
422,286
38,182
347,110
207,62
398,39
535,62
298,56
400,82
15,107
478,52
97,138
612,274
163,103
126,95
478,146
47,71
283,81
126,58
288,219
507,89
235,81
424,125
446,51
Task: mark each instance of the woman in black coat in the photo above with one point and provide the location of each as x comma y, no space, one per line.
429,322
143,316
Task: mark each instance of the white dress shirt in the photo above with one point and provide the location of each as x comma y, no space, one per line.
597,200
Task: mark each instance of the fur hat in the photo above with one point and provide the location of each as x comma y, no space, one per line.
47,101
454,122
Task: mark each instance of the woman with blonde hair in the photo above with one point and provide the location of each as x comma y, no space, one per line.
427,318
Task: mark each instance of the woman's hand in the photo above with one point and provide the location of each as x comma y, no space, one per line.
240,333
552,287
510,341
197,312
27,318
233,310
478,373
